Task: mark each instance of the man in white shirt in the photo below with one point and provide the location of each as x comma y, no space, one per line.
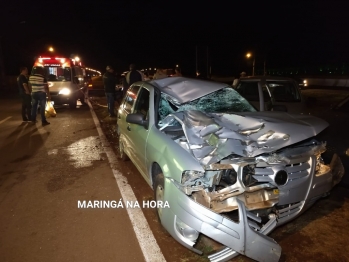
39,86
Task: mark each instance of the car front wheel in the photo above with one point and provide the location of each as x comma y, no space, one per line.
159,192
122,154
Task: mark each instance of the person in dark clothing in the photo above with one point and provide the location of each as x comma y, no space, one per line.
110,82
132,77
24,92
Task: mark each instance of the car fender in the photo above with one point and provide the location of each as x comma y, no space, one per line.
171,157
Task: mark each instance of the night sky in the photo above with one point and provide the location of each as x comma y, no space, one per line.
166,33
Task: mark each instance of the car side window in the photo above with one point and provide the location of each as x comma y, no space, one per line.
142,103
130,98
284,91
249,90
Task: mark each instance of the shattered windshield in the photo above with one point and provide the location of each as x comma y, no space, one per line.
225,100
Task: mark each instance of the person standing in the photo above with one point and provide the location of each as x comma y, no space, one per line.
132,77
24,92
236,80
40,90
110,82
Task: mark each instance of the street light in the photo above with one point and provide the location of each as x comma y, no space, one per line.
248,55
51,49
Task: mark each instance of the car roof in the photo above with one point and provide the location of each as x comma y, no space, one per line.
184,89
266,78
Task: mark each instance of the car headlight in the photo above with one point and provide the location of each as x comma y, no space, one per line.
191,175
191,181
64,91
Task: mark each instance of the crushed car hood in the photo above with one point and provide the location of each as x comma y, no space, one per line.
182,90
214,136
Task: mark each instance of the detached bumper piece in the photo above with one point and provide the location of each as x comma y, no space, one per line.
223,255
228,253
242,237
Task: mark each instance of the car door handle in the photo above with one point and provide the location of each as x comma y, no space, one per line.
128,128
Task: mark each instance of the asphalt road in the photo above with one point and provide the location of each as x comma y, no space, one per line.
44,171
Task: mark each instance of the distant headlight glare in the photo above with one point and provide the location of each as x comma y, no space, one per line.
64,91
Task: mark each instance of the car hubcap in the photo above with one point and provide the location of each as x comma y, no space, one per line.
160,197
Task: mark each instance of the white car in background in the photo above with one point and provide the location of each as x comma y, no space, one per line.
270,93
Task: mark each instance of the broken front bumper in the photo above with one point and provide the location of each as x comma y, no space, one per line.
186,218
301,193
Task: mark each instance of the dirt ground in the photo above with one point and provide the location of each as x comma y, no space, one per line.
321,233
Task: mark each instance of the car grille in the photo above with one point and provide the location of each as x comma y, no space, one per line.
296,170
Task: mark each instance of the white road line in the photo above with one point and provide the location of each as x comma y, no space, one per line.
146,239
7,118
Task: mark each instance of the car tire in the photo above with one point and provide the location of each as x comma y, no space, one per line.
122,154
159,192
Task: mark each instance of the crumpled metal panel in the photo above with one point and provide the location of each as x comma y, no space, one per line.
215,136
183,90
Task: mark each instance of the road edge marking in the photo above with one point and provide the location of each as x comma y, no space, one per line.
147,242
7,118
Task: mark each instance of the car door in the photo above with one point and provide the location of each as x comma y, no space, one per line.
138,134
126,108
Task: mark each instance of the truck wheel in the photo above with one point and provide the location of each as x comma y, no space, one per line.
159,192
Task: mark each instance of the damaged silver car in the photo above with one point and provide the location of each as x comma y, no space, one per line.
226,171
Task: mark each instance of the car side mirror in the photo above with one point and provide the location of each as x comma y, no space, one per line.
137,119
281,108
